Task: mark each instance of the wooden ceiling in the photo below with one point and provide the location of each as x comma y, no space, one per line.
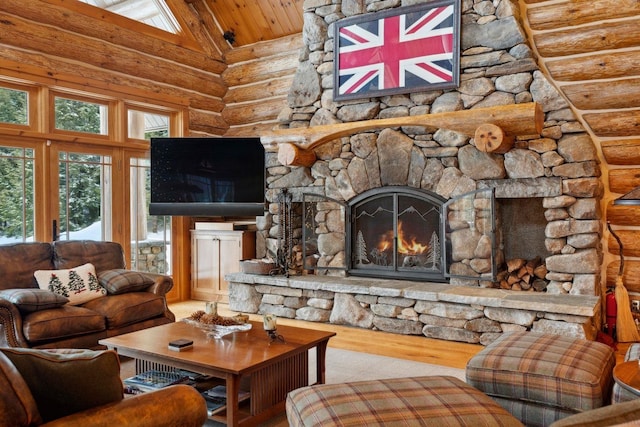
257,20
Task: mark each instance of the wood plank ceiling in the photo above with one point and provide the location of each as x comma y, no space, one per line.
253,21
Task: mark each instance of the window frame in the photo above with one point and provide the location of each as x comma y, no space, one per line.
110,108
32,116
41,134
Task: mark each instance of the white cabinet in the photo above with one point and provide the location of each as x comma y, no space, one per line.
215,253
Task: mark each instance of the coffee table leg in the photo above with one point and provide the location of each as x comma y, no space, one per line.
233,387
321,353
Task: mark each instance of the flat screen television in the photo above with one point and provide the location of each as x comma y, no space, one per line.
207,177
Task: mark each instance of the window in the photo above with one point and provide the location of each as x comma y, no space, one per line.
80,169
144,125
150,235
80,116
150,12
84,196
14,106
17,194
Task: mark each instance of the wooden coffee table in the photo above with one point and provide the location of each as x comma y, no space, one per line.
271,369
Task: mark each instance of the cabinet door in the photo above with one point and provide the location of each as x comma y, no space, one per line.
229,262
205,268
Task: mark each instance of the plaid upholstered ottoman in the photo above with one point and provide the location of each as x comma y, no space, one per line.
540,378
422,401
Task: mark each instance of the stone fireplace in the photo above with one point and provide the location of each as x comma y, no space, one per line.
538,199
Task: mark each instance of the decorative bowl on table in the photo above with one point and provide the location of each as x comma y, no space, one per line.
217,326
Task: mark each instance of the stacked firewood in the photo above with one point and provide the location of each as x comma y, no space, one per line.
523,275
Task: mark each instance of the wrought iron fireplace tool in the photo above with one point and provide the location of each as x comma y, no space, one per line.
285,233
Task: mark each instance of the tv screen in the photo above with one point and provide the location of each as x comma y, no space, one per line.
207,177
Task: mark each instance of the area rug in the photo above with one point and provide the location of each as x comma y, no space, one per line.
345,366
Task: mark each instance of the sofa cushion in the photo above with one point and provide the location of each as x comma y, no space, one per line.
125,309
20,260
17,405
64,382
103,255
59,323
79,284
29,300
119,281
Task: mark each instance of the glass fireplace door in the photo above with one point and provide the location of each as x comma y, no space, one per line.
395,232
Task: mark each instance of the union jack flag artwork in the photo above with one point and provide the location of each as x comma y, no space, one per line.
397,51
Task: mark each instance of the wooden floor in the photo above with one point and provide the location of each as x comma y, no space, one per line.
410,347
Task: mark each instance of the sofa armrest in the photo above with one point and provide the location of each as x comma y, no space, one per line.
11,325
178,405
162,284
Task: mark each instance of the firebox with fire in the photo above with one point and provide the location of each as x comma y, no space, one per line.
396,233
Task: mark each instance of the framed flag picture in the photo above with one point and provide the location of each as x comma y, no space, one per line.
401,50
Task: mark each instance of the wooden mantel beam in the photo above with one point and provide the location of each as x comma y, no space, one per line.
513,119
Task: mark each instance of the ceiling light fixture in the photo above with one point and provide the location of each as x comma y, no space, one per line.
229,36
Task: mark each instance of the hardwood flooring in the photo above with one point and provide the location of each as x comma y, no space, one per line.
410,347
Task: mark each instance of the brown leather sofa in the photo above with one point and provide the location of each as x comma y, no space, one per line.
83,388
30,318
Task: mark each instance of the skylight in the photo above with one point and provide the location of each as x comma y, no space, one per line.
151,12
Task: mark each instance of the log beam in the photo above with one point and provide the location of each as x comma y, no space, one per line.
491,138
81,19
625,215
20,63
515,119
615,123
590,38
292,155
557,15
624,180
622,151
610,94
631,274
606,65
48,40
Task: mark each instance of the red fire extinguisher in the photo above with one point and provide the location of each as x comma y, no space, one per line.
612,312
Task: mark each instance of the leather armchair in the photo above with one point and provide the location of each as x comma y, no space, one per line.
83,388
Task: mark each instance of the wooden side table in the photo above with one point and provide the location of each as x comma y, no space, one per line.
627,376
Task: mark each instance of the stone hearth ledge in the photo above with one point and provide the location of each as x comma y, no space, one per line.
436,310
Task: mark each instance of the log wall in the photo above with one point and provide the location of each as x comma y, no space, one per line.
259,77
591,51
68,44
